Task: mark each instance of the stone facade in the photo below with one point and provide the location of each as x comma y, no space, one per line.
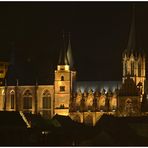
85,106
134,66
34,99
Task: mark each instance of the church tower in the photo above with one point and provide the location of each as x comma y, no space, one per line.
134,59
64,77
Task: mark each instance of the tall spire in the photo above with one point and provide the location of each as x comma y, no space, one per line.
63,60
132,34
69,52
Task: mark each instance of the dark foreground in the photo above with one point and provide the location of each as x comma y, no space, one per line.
62,131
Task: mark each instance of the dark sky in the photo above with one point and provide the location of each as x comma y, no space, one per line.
30,35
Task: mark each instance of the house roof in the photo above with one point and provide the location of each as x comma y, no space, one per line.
11,119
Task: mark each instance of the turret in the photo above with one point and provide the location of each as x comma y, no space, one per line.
63,80
133,58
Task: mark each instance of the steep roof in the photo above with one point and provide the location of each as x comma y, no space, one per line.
132,34
63,60
11,119
129,88
69,54
133,44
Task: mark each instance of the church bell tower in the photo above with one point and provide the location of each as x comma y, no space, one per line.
64,78
134,59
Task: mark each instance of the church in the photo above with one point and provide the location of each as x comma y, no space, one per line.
83,101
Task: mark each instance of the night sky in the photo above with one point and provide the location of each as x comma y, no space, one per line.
30,37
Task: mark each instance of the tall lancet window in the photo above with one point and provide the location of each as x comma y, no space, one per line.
125,66
139,69
27,100
3,98
12,99
62,78
46,100
132,68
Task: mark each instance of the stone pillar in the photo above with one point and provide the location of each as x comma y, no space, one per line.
36,98
17,99
94,118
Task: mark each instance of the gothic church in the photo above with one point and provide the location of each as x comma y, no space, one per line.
84,101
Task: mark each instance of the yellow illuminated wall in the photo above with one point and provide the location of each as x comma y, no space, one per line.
62,89
134,66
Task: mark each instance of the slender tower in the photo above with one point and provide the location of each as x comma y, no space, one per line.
63,80
134,59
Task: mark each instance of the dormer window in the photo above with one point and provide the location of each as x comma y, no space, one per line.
132,68
139,69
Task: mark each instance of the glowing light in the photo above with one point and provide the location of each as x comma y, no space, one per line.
63,112
25,120
3,92
80,88
59,83
45,132
147,96
104,88
66,67
141,98
59,67
63,67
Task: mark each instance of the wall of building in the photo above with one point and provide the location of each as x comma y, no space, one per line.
34,92
88,118
137,71
94,101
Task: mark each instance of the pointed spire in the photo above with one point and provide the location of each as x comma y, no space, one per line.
36,82
12,58
132,34
63,60
69,52
5,82
17,82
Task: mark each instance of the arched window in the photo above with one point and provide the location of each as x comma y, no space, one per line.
132,68
12,99
46,100
62,78
128,106
101,103
139,69
27,100
113,103
3,99
125,69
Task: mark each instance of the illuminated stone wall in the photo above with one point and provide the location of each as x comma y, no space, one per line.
134,66
3,69
129,106
62,87
36,94
89,118
129,99
94,101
